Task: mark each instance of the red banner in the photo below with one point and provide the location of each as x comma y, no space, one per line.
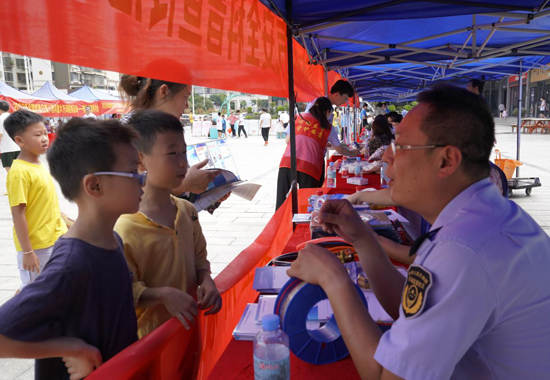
61,108
236,45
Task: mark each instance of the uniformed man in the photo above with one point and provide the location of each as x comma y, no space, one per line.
476,302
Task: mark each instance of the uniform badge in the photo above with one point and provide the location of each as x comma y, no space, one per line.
419,282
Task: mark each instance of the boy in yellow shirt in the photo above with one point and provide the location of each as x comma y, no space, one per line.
37,222
163,243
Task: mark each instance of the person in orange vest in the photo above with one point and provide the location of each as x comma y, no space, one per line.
312,133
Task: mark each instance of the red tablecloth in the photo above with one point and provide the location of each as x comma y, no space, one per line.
236,363
341,183
236,360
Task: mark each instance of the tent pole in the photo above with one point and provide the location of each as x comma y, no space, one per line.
325,72
520,95
193,99
291,106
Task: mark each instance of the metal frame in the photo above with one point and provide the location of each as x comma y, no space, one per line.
460,56
452,58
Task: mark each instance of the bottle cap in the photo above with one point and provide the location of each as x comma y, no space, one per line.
270,322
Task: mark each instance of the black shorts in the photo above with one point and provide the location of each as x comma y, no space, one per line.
8,157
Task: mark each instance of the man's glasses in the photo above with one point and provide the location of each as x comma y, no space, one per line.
395,147
141,177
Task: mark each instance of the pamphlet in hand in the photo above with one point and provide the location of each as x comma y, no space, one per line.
219,157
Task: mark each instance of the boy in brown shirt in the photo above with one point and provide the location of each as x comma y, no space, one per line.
163,242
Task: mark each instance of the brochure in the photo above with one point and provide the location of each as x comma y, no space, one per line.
270,279
219,157
266,305
247,328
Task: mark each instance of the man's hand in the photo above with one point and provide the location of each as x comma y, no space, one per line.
340,217
196,180
208,297
181,305
355,199
84,361
31,262
317,265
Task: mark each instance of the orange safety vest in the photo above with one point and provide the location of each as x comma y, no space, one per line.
311,141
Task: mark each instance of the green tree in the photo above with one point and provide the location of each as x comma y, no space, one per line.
249,109
218,99
280,108
243,103
263,103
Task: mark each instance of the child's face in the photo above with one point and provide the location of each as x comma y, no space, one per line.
166,165
34,139
123,194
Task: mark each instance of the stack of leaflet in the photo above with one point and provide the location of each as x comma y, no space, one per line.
247,328
270,279
251,321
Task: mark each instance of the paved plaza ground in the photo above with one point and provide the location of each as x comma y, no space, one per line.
238,222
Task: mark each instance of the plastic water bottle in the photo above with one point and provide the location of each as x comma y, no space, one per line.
358,170
331,175
317,204
383,178
345,172
271,352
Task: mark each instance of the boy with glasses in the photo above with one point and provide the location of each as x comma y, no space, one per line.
79,312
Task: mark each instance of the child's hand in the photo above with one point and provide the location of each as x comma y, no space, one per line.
208,296
196,180
181,305
31,263
84,361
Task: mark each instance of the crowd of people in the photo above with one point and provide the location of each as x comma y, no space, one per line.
136,255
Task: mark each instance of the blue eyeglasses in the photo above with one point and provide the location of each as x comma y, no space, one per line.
141,177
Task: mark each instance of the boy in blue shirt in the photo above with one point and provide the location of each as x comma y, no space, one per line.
79,312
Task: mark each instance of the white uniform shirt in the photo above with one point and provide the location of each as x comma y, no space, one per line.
265,120
284,117
487,313
91,115
7,144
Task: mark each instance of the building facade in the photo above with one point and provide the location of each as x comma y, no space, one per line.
24,73
28,74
